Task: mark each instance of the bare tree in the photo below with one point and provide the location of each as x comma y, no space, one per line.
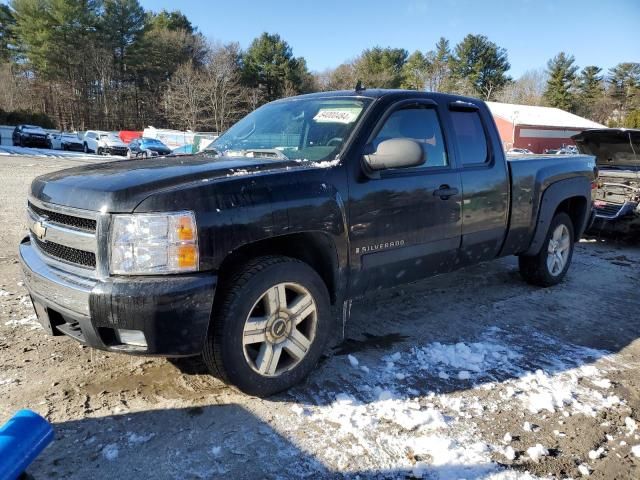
185,98
225,97
526,90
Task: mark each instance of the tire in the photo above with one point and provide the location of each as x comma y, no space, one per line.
99,151
238,355
550,265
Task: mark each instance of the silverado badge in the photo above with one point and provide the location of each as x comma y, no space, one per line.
39,230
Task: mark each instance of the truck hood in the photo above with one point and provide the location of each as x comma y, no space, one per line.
121,185
615,148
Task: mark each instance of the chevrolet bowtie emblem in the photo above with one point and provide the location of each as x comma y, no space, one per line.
39,230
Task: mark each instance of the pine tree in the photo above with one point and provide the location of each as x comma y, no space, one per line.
414,71
590,91
269,64
7,22
624,86
379,67
482,64
562,74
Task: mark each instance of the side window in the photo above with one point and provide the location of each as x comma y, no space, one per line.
470,137
420,124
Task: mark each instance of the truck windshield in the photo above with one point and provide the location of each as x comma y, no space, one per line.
309,129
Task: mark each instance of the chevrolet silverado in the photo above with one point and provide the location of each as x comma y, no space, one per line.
249,252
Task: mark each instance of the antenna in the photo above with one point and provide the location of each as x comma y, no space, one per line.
359,86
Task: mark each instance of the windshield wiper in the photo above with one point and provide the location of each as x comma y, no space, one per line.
257,153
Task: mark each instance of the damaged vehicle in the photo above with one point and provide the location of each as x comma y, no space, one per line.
616,198
249,252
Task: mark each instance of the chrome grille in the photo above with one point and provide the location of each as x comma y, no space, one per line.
67,254
63,234
68,220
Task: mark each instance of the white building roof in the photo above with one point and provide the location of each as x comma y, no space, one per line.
539,116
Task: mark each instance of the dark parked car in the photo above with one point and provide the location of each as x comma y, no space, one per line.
250,252
29,136
147,147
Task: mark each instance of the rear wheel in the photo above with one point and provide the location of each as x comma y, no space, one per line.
270,326
550,265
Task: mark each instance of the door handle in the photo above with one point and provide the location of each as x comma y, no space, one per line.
445,191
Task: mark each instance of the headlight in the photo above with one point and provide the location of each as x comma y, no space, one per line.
153,243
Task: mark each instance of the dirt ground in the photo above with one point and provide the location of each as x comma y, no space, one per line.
458,376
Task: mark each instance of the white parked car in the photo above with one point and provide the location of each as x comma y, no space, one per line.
65,141
104,143
519,151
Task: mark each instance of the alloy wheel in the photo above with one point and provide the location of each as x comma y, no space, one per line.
558,250
280,329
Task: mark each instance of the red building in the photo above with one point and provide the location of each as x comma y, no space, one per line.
537,128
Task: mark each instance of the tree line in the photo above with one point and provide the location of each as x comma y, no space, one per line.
112,64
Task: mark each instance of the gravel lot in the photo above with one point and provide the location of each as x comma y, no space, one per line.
470,375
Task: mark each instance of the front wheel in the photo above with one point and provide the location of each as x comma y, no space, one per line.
270,326
550,265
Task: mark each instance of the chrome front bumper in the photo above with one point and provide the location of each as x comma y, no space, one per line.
53,286
172,312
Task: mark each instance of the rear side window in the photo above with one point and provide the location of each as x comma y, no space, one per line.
469,133
419,124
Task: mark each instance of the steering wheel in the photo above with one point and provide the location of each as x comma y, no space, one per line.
337,140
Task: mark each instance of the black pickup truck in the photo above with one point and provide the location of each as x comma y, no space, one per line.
249,252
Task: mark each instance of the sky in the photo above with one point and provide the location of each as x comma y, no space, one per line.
329,32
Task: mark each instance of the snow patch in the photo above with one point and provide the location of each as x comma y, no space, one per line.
596,454
537,452
135,439
30,321
584,470
110,451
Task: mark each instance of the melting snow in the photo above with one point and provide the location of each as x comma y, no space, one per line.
389,425
30,321
537,452
110,451
584,470
134,439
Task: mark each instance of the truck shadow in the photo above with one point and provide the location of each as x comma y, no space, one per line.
222,441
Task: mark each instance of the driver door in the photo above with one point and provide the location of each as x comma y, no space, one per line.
406,224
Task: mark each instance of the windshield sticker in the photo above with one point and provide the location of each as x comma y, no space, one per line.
337,115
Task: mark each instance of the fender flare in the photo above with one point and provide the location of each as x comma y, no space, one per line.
552,197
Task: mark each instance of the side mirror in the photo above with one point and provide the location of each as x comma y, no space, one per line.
396,153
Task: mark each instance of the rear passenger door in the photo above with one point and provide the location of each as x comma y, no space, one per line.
485,182
405,224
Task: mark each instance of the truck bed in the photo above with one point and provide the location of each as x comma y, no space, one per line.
530,176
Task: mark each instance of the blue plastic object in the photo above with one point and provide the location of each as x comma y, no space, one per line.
22,439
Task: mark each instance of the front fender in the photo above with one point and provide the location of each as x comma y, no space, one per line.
233,212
